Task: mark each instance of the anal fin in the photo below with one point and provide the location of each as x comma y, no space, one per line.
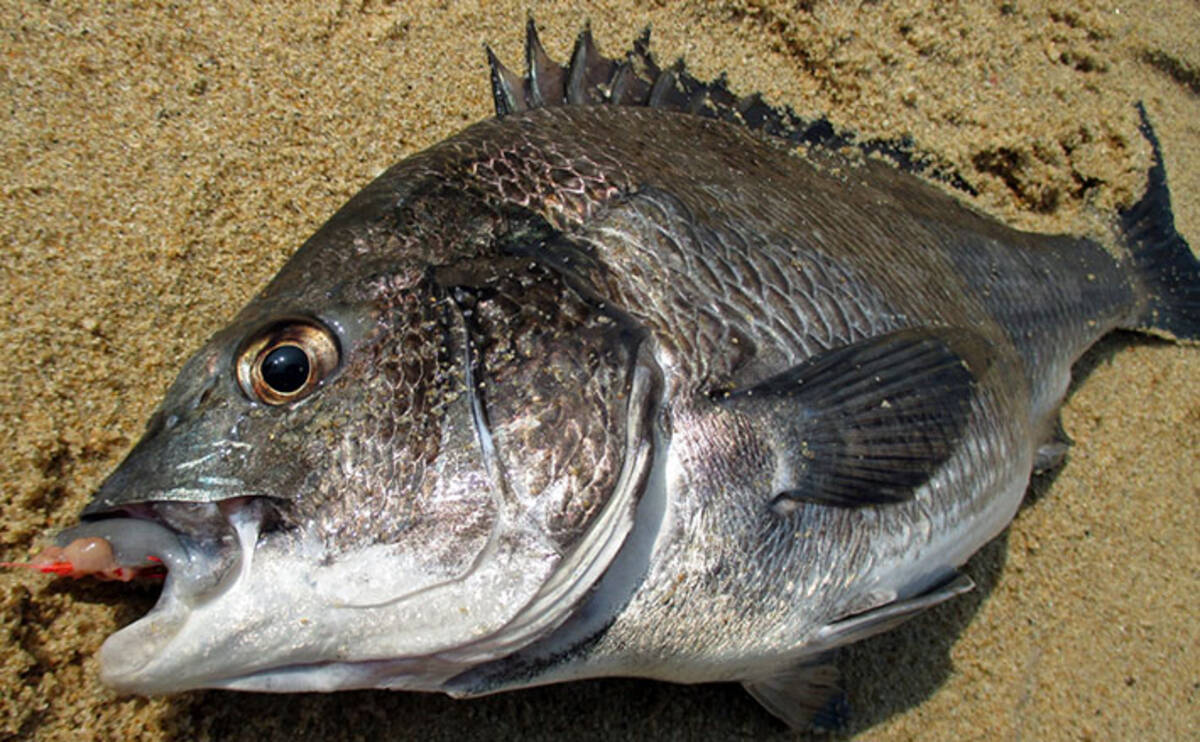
1050,456
805,696
1053,451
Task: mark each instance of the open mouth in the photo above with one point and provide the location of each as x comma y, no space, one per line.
199,550
194,545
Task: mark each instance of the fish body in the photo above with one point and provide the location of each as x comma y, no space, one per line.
616,383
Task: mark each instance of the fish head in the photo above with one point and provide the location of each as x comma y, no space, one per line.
413,452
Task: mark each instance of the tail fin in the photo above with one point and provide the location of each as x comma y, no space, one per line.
1163,260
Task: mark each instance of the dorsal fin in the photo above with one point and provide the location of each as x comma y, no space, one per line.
547,78
638,80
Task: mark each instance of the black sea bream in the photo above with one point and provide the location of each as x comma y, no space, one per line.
637,378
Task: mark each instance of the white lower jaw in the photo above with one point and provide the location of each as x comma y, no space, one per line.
193,579
126,653
286,624
286,620
411,674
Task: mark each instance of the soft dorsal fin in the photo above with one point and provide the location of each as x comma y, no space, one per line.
869,422
638,80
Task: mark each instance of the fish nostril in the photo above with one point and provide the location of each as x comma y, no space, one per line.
204,395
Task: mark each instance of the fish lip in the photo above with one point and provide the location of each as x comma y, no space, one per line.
198,569
204,490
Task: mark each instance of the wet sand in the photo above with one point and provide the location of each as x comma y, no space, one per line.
160,164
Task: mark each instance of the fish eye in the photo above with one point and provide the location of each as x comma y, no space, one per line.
287,362
285,369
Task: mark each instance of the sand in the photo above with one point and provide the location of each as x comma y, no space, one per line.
160,162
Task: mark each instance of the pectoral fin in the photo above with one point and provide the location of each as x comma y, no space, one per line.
868,423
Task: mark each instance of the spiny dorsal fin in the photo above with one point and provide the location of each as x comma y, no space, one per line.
590,73
547,78
592,78
508,90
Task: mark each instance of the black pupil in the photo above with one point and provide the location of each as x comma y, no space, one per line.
285,369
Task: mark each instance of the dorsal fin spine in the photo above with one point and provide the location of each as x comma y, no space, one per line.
592,78
577,69
507,92
661,90
537,64
620,83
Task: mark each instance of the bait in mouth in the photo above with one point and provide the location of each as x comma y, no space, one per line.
615,383
85,557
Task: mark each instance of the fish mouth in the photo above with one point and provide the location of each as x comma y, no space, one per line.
255,600
205,548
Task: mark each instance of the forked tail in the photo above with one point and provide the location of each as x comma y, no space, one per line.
1163,261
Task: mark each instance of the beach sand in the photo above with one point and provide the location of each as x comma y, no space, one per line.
160,162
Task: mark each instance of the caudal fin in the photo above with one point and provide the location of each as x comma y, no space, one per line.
1168,271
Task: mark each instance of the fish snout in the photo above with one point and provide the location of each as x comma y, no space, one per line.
179,460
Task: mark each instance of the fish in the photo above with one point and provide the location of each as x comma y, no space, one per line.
637,378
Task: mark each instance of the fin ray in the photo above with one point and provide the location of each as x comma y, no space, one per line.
591,78
868,423
1166,266
859,626
806,696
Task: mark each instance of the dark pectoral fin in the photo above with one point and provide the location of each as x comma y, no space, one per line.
868,423
805,696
